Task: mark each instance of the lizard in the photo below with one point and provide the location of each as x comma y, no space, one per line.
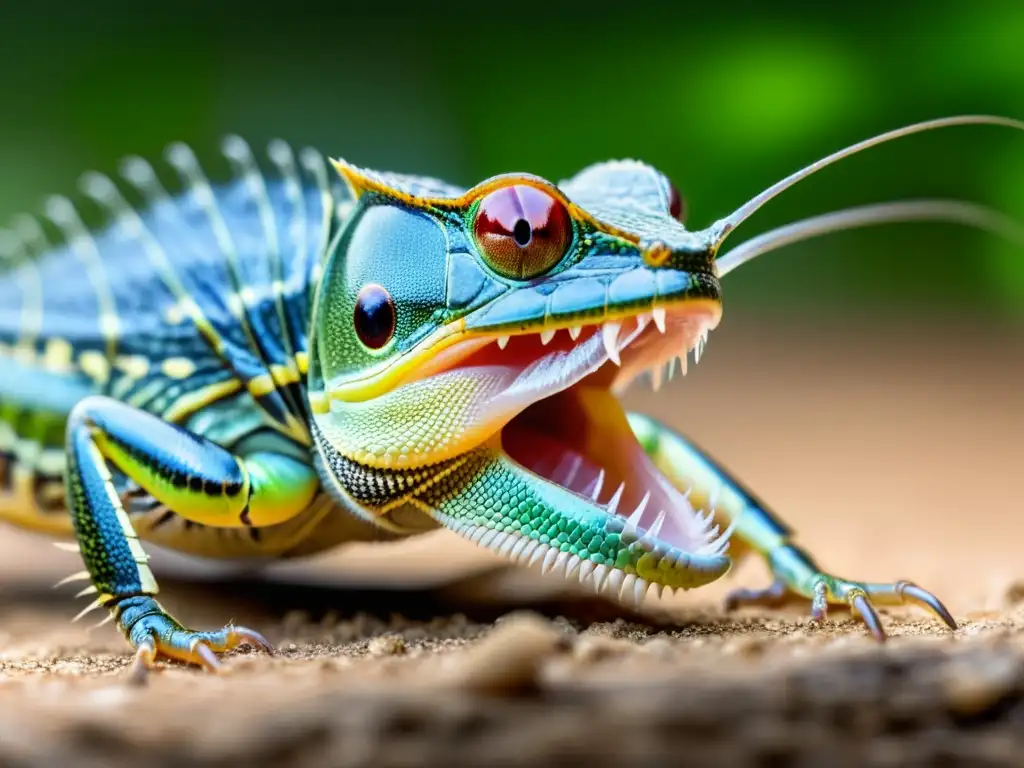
312,353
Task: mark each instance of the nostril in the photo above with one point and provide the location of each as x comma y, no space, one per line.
659,255
656,254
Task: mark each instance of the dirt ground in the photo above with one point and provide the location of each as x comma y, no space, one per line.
895,453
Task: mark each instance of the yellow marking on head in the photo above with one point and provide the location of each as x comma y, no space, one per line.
360,181
177,368
319,402
94,364
133,366
57,355
381,380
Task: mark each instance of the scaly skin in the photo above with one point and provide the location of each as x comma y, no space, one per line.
298,358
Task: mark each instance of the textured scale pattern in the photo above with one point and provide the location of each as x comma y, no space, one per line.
199,370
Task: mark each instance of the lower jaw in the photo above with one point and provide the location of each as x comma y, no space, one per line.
580,439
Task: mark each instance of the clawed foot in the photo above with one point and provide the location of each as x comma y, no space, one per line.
153,634
861,598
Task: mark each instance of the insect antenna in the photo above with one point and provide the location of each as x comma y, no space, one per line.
953,211
718,231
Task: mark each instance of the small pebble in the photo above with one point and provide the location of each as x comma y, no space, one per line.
509,659
386,645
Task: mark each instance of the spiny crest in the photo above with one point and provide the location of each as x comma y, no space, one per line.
27,238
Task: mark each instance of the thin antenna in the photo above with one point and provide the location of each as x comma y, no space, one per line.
721,228
954,211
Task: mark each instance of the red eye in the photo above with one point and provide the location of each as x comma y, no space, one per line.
522,231
676,206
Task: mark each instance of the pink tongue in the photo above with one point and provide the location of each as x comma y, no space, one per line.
570,438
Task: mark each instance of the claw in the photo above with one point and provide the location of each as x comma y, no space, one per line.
861,605
145,658
155,634
819,603
206,657
910,592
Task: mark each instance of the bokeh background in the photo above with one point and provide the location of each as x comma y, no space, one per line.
867,383
726,97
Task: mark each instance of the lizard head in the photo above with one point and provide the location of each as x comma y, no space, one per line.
468,347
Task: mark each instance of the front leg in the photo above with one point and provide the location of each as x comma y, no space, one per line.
795,573
192,476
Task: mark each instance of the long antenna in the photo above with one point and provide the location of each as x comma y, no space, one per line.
954,211
721,228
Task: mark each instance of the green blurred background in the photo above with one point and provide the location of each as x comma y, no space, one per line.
724,97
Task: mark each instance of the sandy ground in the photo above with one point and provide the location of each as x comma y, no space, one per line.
895,453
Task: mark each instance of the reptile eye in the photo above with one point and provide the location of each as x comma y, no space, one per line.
374,316
676,206
522,231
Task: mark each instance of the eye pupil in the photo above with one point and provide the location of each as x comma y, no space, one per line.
522,232
374,316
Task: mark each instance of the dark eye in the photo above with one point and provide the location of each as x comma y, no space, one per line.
374,316
676,206
522,231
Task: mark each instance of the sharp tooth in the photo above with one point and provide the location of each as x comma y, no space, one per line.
683,363
655,528
626,590
659,318
634,519
502,342
701,343
546,336
611,341
597,487
671,368
613,503
519,547
538,555
549,560
642,321
531,547
561,563
575,331
570,567
566,470
656,377
613,584
640,591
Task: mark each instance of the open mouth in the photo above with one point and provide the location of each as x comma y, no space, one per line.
564,423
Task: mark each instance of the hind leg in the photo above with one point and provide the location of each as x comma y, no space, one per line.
196,478
796,574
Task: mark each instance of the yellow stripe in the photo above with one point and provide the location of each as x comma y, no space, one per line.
194,401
